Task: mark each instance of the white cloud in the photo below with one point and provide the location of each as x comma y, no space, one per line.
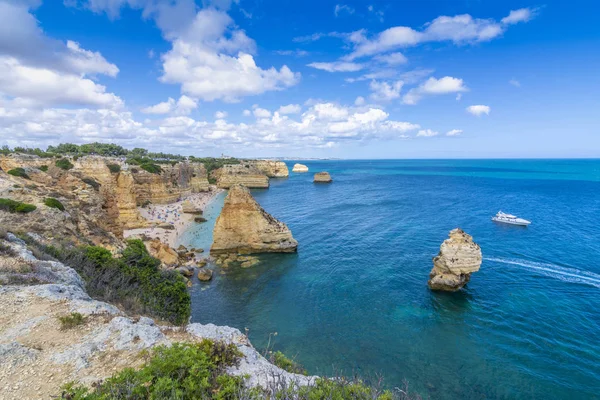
246,113
296,53
454,132
427,133
261,113
377,13
479,110
151,54
339,8
385,91
458,97
520,15
515,83
392,58
221,115
183,106
290,109
360,101
337,66
433,86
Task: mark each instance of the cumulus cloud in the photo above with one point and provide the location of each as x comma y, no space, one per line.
183,106
396,58
385,91
520,15
221,115
337,66
290,109
360,101
479,110
433,86
427,133
261,113
454,132
39,70
342,8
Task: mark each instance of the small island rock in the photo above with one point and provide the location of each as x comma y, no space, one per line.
205,274
322,177
300,168
458,258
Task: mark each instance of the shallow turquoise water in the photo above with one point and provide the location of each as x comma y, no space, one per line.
354,298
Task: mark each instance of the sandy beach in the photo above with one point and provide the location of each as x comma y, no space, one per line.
171,214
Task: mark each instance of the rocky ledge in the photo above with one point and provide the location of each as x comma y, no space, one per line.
39,356
244,227
458,258
272,169
322,177
300,168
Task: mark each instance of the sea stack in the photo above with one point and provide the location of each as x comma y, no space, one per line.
322,177
458,258
243,227
300,168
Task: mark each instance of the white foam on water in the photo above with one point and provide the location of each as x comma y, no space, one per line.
572,275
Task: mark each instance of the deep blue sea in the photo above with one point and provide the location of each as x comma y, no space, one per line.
355,298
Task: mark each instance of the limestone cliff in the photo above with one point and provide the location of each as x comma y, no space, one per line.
458,258
244,227
272,169
240,174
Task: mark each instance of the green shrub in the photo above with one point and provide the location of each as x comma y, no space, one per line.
16,206
92,183
54,203
152,168
20,172
43,168
72,320
135,280
279,359
114,168
182,371
63,163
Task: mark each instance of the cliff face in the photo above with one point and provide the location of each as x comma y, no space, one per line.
458,258
244,227
240,174
272,169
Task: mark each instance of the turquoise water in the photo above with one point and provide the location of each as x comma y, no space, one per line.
355,299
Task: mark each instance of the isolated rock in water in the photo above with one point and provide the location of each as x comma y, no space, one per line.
458,258
244,227
189,208
323,177
300,168
163,252
205,274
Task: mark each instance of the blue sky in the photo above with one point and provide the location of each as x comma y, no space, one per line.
351,79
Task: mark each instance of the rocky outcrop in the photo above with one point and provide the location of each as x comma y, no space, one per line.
189,208
240,174
322,177
167,256
458,258
300,168
272,169
205,274
38,356
244,227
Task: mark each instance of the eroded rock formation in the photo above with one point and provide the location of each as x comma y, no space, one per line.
240,174
458,258
244,227
300,168
272,169
322,177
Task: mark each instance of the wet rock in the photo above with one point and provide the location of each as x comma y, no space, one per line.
322,177
205,274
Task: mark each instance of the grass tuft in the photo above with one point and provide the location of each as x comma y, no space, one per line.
54,203
71,320
19,172
13,206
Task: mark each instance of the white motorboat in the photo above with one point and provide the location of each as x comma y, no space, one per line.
510,219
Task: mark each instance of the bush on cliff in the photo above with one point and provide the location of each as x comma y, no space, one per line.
43,168
20,172
54,203
13,206
63,163
152,168
134,281
114,168
92,183
182,371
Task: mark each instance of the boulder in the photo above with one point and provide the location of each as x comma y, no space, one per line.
322,177
202,263
189,208
205,274
200,219
186,271
458,258
300,168
163,252
243,227
168,227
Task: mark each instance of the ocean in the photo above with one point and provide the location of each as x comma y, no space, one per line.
354,299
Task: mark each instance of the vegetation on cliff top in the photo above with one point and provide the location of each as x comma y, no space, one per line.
114,168
134,281
20,172
63,163
14,206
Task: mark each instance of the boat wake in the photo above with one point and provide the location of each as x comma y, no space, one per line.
572,275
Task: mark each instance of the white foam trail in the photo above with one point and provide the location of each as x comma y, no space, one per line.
572,275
